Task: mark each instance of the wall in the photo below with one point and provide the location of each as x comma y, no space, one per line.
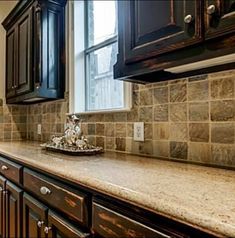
12,118
191,119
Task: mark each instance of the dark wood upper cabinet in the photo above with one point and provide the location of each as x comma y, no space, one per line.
155,27
220,17
35,52
34,217
13,216
155,37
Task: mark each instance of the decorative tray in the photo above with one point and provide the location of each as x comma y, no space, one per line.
73,151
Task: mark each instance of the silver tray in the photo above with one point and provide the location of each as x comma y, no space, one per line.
73,151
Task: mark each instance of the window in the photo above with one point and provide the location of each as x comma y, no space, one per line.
93,53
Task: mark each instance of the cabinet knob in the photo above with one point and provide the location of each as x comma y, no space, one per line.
211,9
188,19
40,223
47,229
45,190
4,167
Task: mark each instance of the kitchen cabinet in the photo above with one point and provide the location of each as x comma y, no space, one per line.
220,17
13,213
155,37
35,54
34,203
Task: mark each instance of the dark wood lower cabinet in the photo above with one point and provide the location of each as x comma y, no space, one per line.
2,187
13,215
34,217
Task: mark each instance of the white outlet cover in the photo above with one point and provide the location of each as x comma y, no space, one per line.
39,129
139,131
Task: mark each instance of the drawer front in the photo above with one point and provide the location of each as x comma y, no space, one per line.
11,170
71,203
109,223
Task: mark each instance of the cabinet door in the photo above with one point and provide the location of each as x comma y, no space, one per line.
10,63
24,53
13,210
2,206
59,228
34,217
150,28
220,17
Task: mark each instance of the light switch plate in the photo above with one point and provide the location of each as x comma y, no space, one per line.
139,131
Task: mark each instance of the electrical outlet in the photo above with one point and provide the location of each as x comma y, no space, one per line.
39,129
138,131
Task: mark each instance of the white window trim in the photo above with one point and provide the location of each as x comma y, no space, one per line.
71,74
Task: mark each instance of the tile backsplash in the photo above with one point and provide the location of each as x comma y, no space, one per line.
188,119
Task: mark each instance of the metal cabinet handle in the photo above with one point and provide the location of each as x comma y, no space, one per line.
47,229
45,190
211,9
188,19
40,223
4,167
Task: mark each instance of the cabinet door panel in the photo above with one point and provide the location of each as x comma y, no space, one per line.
10,63
2,206
154,27
33,212
222,21
13,210
24,50
59,228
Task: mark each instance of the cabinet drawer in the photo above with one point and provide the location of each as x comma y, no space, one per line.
109,223
11,170
70,202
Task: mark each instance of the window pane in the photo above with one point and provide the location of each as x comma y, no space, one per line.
103,92
101,21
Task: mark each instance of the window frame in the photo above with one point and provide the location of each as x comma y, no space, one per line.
71,69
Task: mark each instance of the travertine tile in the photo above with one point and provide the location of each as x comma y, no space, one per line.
161,148
222,88
199,152
133,115
110,143
109,129
199,132
146,98
199,111
100,141
120,129
145,114
91,129
178,150
121,144
160,95
223,110
178,112
198,91
178,92
146,147
129,130
148,131
178,131
222,132
161,112
161,131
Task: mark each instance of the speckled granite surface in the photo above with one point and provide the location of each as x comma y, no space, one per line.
200,196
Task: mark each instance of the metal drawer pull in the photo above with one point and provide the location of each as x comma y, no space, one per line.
45,190
211,9
40,223
4,167
188,19
47,229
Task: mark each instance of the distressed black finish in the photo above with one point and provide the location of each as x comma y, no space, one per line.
35,53
154,37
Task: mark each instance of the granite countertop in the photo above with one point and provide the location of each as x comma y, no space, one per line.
200,196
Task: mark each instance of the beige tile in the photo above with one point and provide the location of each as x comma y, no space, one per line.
178,150
146,98
146,147
199,111
148,131
222,132
178,131
223,110
161,113
109,129
222,88
110,143
161,131
133,115
100,141
199,152
178,92
161,148
199,132
160,95
120,129
129,130
121,144
91,129
198,91
145,114
178,112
